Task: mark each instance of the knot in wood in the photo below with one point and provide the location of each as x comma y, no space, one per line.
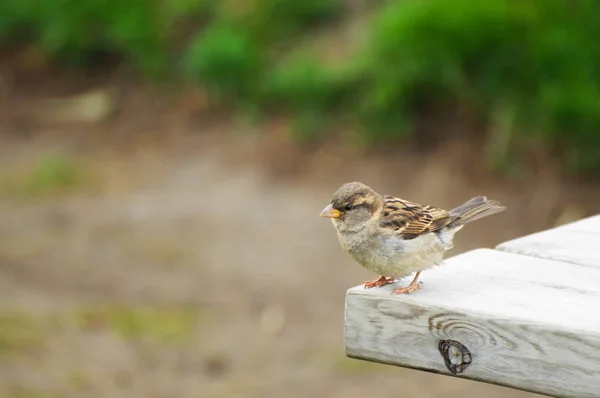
456,356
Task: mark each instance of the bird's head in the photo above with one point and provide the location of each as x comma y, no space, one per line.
353,205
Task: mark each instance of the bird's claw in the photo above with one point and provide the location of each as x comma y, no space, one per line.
408,289
382,281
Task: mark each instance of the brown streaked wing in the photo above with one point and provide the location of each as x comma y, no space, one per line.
412,219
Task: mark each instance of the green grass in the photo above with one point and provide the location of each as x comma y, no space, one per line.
29,392
21,333
79,381
51,175
162,325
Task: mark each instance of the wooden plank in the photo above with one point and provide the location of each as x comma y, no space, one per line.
527,323
590,224
576,243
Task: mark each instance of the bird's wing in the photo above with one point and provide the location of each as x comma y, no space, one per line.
410,220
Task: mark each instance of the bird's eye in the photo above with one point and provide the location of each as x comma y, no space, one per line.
348,207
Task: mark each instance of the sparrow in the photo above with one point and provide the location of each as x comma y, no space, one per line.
394,237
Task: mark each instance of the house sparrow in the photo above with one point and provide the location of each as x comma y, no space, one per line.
394,237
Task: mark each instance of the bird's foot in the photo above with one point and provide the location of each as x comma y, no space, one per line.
382,281
414,285
408,289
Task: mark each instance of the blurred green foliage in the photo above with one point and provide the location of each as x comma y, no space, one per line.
226,61
278,21
316,95
81,32
531,69
535,63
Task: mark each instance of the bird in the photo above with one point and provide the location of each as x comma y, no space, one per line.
394,237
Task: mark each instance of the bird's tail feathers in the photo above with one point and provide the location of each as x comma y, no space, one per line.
474,209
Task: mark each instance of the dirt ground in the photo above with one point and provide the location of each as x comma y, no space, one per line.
186,259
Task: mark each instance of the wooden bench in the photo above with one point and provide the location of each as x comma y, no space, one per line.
525,315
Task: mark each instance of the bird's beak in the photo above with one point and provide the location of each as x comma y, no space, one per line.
330,212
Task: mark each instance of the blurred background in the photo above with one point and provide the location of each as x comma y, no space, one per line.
163,165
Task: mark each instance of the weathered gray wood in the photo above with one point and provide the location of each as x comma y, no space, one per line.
528,323
577,243
590,224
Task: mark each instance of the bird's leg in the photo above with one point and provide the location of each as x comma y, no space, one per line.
414,285
382,281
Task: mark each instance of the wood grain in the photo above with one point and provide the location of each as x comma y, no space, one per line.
576,243
527,323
